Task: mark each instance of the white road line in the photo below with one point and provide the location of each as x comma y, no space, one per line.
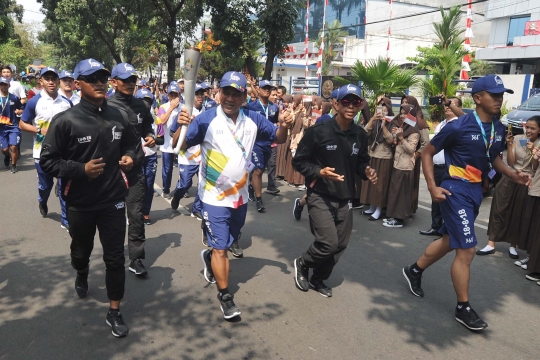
475,224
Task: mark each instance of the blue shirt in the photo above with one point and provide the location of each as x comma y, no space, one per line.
8,119
270,112
323,118
465,149
209,103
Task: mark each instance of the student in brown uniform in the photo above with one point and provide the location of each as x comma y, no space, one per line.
400,194
283,149
381,152
510,198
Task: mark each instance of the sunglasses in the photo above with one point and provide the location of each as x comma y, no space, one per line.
130,80
93,79
354,102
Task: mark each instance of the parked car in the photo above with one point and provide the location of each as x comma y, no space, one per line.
521,114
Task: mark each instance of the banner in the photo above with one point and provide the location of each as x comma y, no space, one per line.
532,28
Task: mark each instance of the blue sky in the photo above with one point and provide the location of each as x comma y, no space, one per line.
31,11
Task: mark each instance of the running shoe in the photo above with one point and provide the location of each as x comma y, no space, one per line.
301,187
415,282
533,276
116,322
207,271
356,204
175,202
301,274
260,205
65,227
394,223
385,220
297,210
272,191
521,262
236,250
251,193
43,209
228,307
81,282
14,169
147,220
167,195
186,195
137,267
196,215
470,319
318,285
7,160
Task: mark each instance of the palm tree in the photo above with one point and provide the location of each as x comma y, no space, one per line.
334,35
481,67
449,30
380,77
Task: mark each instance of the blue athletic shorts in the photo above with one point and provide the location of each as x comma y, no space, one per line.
9,137
223,224
260,156
459,211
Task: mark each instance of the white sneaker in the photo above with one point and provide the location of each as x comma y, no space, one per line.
394,223
524,267
521,262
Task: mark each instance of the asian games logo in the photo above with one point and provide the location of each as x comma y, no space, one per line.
234,77
188,66
93,63
498,80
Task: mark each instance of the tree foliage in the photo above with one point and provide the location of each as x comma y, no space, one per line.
381,77
334,34
9,11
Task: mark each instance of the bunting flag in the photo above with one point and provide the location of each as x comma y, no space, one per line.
465,68
306,42
365,34
321,48
389,31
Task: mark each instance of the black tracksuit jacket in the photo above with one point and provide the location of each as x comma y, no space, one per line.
80,134
326,145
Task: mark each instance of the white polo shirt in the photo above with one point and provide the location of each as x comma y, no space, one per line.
167,141
75,99
192,155
40,110
224,175
17,89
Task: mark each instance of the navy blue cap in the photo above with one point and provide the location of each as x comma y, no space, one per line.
264,83
66,74
123,71
173,82
205,85
88,67
348,90
490,83
143,93
199,87
234,79
334,94
173,88
142,82
4,80
48,69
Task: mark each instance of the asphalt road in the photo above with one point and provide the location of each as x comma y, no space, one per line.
174,313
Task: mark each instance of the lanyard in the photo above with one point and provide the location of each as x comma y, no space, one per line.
238,142
484,136
265,109
4,103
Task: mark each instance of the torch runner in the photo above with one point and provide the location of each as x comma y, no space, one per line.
192,61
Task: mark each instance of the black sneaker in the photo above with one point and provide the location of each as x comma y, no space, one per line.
167,195
301,274
14,169
533,276
7,160
175,201
272,191
43,209
204,238
260,205
393,223
207,271
197,215
470,319
146,220
81,283
251,193
356,204
137,267
114,319
228,307
186,195
415,282
236,250
297,210
321,287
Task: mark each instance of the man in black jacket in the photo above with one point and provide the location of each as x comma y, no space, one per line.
124,78
88,147
329,155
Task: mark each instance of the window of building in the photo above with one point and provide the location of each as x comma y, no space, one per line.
516,28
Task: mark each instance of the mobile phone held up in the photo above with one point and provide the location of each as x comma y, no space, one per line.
435,100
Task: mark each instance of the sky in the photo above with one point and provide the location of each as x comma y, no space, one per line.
31,11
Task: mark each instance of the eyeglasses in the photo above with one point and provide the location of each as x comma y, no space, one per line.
347,102
93,79
130,80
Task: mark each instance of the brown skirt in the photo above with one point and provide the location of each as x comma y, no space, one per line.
530,233
377,194
507,210
400,194
416,186
281,158
291,175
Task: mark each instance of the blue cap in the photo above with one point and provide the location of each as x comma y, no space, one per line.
264,83
66,74
88,67
334,94
4,80
490,83
142,82
143,93
235,80
199,87
348,90
173,88
205,85
123,71
48,69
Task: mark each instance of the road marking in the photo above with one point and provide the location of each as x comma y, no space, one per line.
475,224
159,190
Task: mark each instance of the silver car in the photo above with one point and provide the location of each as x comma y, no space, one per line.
517,117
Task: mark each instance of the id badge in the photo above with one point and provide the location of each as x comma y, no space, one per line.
492,173
250,166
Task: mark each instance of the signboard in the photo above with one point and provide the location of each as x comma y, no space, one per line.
532,28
